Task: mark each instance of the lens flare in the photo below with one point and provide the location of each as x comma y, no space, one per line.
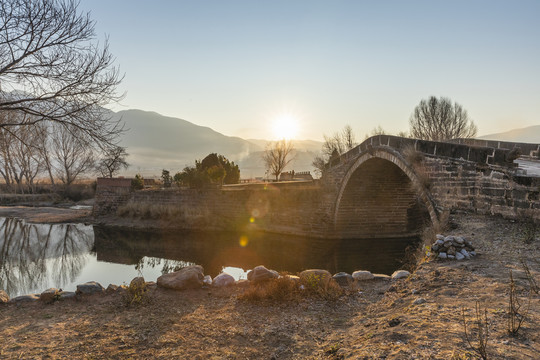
243,241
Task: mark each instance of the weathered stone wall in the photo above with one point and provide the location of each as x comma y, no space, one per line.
463,185
110,193
284,207
379,201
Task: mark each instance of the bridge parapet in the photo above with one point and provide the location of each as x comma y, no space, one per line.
469,152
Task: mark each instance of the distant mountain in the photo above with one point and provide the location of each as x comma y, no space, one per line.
529,134
157,142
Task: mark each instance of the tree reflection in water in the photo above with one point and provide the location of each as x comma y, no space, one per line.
33,256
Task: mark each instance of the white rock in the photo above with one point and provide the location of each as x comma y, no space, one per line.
442,255
465,253
400,274
440,237
472,253
207,280
459,256
362,275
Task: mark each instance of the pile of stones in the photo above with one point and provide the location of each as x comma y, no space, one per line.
452,247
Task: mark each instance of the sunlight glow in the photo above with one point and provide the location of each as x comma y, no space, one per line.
285,126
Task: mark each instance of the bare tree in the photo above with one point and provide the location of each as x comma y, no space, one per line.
440,119
277,156
113,161
333,146
73,155
52,70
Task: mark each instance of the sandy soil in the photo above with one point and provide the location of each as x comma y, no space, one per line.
376,321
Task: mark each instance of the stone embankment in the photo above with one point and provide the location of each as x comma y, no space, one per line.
193,277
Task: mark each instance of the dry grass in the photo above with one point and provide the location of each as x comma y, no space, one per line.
286,289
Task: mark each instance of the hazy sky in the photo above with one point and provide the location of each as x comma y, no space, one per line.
235,66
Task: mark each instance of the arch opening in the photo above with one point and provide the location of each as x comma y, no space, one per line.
380,199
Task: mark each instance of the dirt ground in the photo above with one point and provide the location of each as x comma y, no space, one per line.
379,320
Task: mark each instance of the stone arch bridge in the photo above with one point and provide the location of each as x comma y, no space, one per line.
391,186
387,186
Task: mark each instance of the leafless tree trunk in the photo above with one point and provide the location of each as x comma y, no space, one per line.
52,70
277,156
73,155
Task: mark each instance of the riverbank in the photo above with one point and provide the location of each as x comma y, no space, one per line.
419,317
49,214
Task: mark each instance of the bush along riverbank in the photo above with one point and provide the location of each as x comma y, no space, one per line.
487,306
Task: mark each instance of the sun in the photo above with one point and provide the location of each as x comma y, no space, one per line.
285,126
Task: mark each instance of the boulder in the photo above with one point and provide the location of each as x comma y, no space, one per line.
343,279
190,277
90,287
459,240
25,298
49,295
223,280
207,280
111,288
400,274
4,298
63,295
260,273
440,237
315,278
459,256
362,275
442,255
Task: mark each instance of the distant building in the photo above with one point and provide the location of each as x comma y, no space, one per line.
295,176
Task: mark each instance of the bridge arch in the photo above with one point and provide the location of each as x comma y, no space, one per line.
381,195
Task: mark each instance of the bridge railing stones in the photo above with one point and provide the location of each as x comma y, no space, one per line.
468,152
526,148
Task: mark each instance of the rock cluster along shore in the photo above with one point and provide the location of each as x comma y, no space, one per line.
452,247
192,277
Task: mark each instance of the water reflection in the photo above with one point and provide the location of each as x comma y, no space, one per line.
34,257
214,251
37,256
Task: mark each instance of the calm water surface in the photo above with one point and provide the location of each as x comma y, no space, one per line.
34,257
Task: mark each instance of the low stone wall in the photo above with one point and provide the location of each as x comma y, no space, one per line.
286,208
110,194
